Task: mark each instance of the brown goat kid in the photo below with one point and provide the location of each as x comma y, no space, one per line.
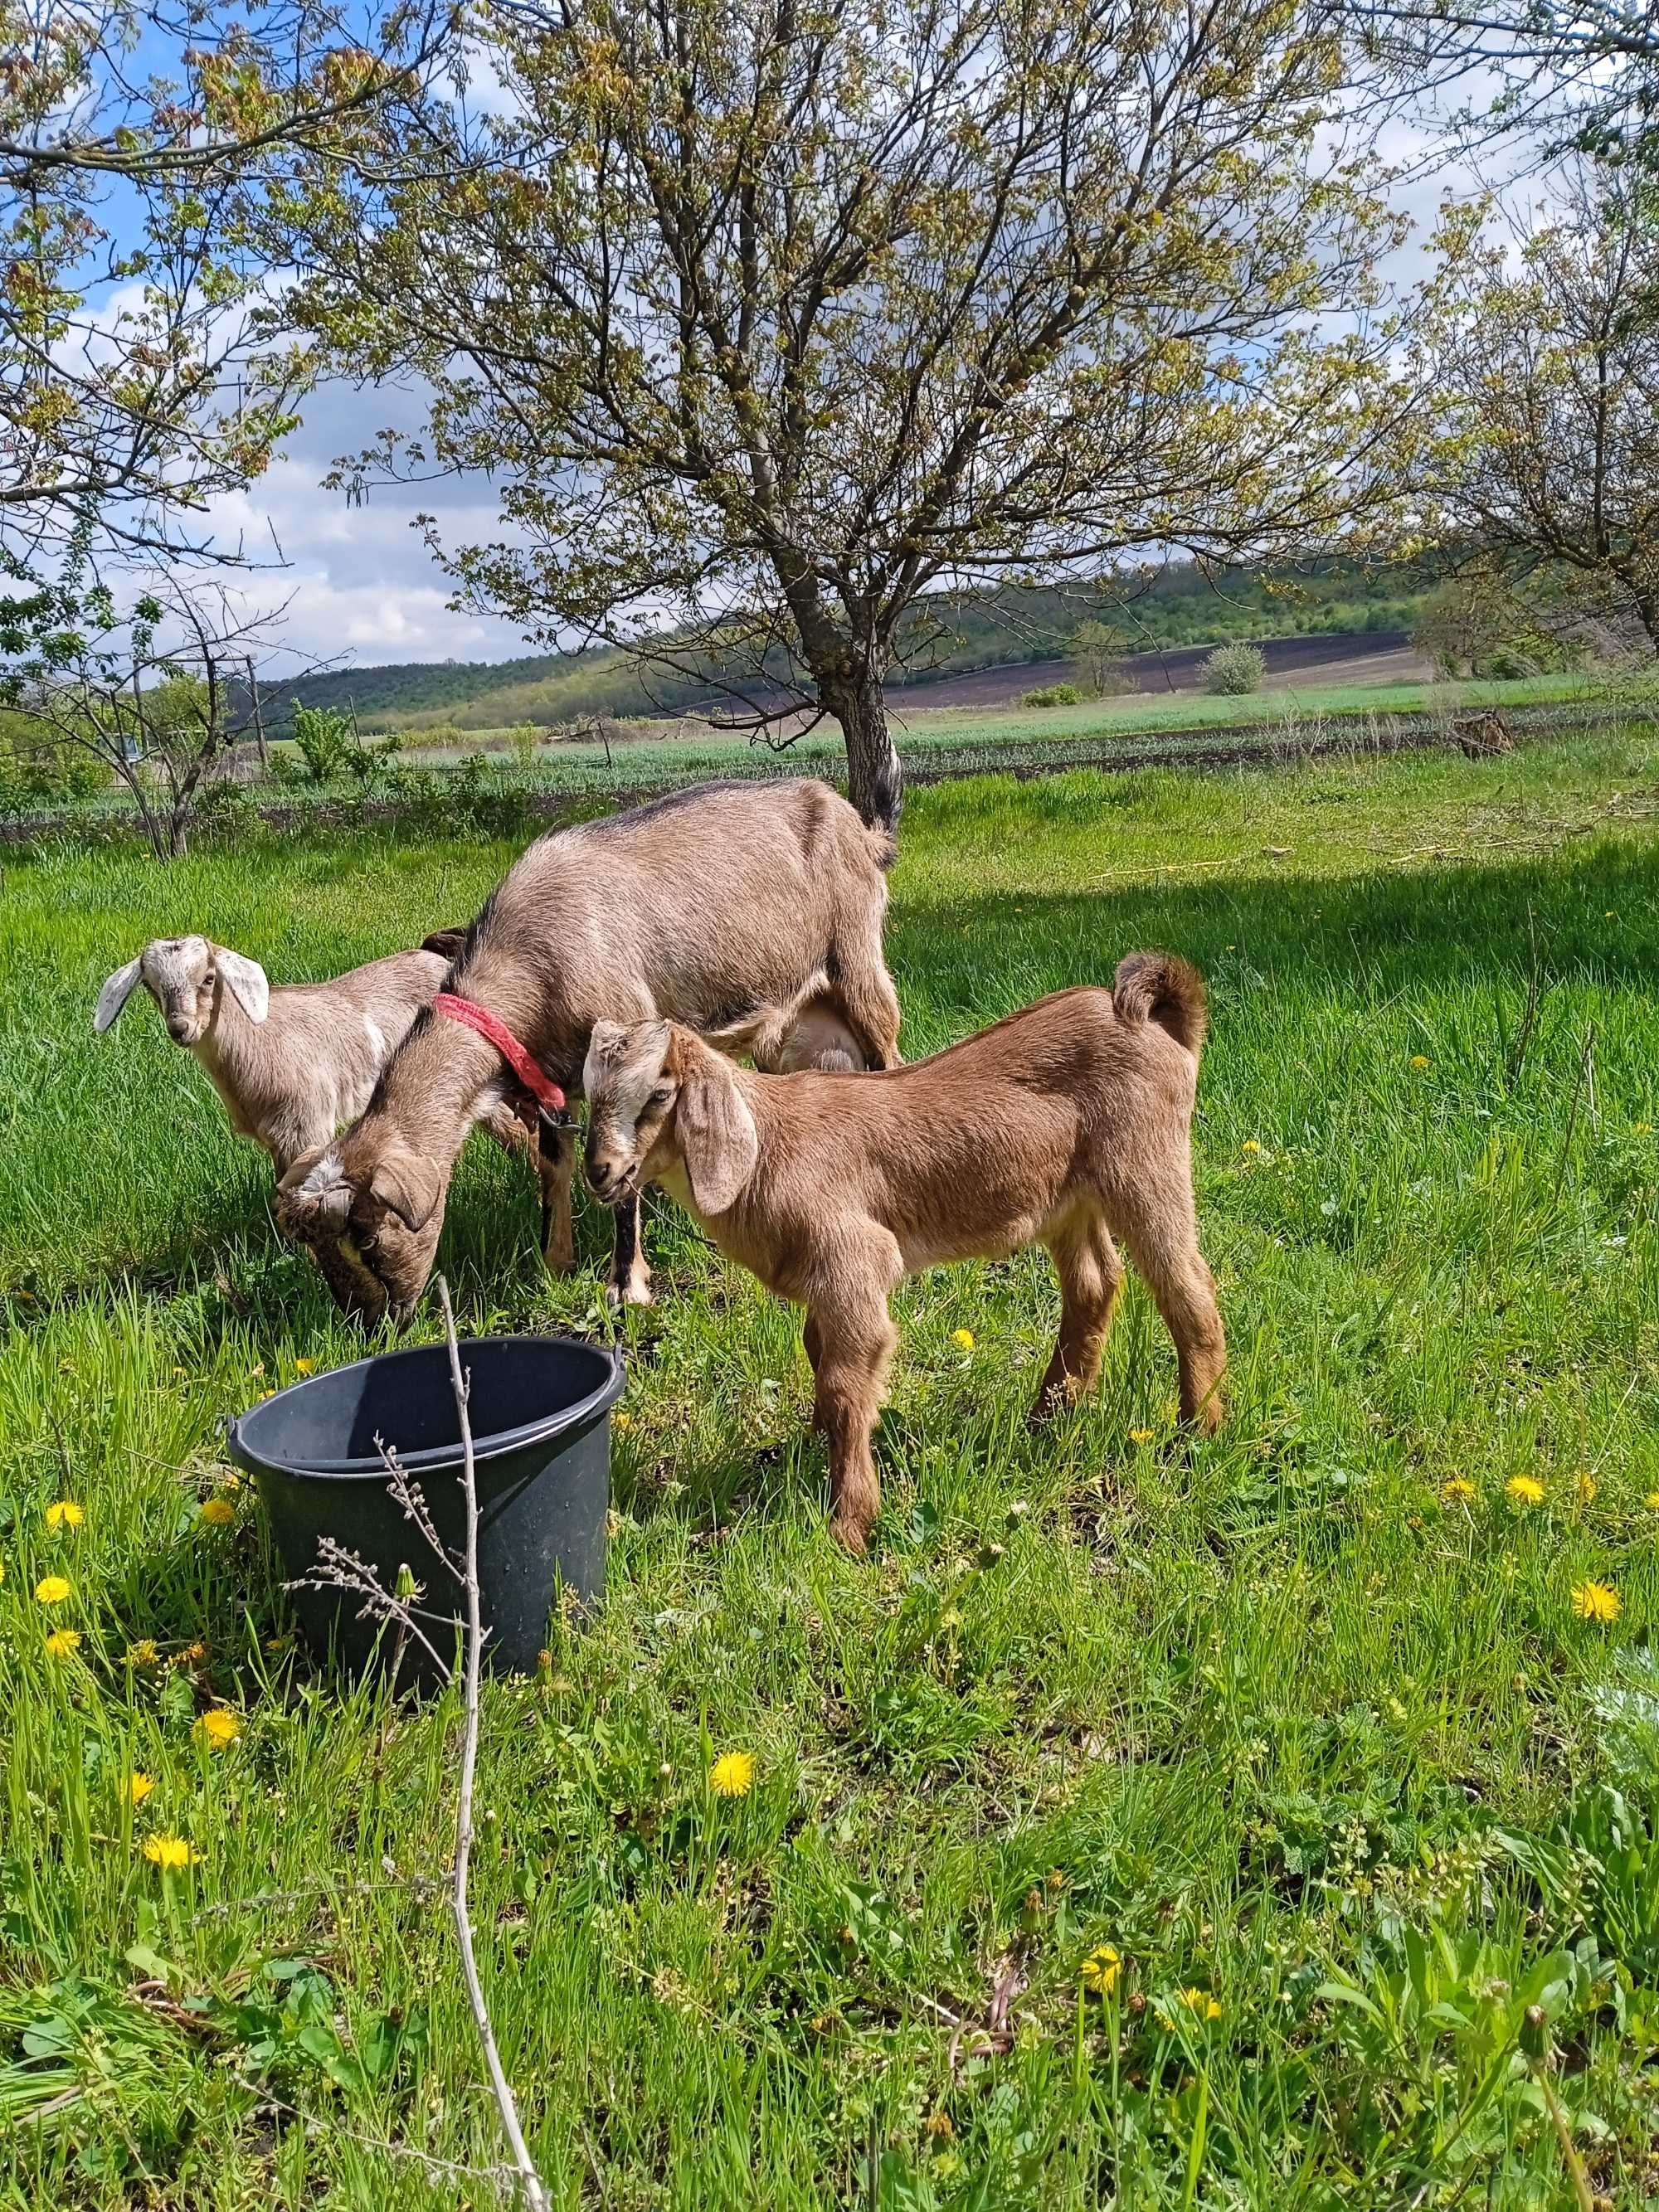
752,913
1067,1124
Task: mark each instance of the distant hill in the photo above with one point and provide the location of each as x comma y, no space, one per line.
1180,606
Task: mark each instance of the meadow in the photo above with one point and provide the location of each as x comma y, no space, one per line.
1273,1823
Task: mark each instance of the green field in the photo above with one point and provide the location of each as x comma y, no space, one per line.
1303,1724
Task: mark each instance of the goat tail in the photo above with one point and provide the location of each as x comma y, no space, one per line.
883,842
1162,987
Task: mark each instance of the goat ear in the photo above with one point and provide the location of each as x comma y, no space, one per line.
310,1196
409,1185
247,981
715,1132
447,942
118,990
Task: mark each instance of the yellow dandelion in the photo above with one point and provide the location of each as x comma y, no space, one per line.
1652,1501
1459,1487
1201,2003
622,1418
963,1338
138,1787
218,1512
52,1589
228,1483
143,1653
1584,1486
1420,1060
1140,1436
170,1853
62,1641
64,1513
305,1367
218,1727
1100,1970
732,1774
191,1656
1596,1601
1645,1128
1524,1490
3,1571
1250,1145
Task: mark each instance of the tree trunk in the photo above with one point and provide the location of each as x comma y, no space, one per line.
874,778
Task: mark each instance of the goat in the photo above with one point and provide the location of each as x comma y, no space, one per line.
752,913
290,1062
1066,1124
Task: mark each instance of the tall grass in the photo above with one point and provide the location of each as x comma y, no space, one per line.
1296,1724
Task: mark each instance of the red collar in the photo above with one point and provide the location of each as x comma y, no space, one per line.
546,1092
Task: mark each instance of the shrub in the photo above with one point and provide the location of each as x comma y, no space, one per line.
524,737
323,735
36,763
1232,670
1055,694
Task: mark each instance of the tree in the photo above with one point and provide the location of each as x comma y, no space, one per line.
1097,647
161,717
1542,350
143,371
1569,74
775,323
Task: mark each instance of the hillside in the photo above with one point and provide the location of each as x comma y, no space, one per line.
1179,607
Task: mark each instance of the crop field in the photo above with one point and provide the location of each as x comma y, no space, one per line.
1141,1825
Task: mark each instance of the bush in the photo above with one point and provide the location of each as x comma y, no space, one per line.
36,764
1233,670
524,737
323,735
1055,694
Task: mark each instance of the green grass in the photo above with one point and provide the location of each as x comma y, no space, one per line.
1281,1720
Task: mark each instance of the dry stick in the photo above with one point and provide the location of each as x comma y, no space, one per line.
530,2182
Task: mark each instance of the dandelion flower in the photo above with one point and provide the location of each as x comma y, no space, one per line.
1201,2003
138,1787
1645,1128
170,1853
622,1418
143,1653
52,1589
62,1641
1140,1436
1524,1490
1250,1145
963,1338
732,1774
64,1513
1100,1970
1584,1487
218,1512
1596,1601
1420,1060
1460,1486
218,1727
1652,1501
305,1366
191,1656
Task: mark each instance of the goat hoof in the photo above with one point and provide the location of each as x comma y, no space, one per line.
619,1294
851,1535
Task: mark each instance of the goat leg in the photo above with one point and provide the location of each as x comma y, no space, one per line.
1091,1275
629,1283
852,1348
555,1164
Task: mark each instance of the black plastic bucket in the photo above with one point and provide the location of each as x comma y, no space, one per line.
540,1413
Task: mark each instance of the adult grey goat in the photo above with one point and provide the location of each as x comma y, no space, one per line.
750,913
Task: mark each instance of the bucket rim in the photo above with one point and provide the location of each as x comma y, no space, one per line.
579,1413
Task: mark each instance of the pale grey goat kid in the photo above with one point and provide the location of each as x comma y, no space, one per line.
290,1062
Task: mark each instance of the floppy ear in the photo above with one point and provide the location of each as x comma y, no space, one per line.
311,1197
247,979
447,942
118,990
409,1185
716,1131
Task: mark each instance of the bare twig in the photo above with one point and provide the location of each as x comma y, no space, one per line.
529,2184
